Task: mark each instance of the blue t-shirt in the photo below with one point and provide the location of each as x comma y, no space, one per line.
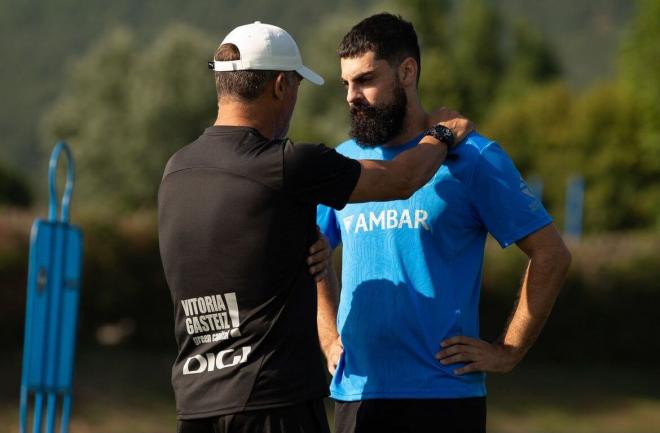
411,270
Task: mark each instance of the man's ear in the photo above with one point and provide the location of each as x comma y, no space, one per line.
408,72
279,86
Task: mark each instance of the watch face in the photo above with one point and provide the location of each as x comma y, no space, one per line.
443,134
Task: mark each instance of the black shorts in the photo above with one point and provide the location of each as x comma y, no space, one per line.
460,415
306,417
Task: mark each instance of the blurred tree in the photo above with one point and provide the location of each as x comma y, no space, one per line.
610,134
126,110
532,61
471,58
434,23
607,131
172,100
478,56
639,63
321,113
535,130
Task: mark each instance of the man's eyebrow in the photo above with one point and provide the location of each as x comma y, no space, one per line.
359,76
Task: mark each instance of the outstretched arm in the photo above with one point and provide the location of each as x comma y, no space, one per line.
545,274
399,178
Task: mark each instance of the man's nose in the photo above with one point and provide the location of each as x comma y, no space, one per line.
353,95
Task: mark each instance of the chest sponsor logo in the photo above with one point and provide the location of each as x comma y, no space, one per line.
212,318
216,361
389,219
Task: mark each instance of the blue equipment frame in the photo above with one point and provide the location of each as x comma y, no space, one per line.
53,293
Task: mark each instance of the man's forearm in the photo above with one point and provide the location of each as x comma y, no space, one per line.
401,177
544,276
328,301
548,263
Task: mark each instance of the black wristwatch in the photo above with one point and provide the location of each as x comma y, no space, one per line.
441,133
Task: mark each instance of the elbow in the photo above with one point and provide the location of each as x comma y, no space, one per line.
557,259
563,257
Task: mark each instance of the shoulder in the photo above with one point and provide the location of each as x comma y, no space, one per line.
477,151
479,156
179,160
474,146
305,151
297,152
349,148
313,158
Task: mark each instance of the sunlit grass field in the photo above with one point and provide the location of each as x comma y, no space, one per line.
118,391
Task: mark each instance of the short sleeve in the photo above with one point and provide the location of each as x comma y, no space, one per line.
317,174
326,219
507,207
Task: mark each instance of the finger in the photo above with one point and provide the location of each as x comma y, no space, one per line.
457,348
320,276
459,339
460,357
317,246
319,257
317,268
470,368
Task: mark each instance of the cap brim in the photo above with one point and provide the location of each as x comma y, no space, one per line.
310,75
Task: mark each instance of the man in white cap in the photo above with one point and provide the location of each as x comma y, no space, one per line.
236,214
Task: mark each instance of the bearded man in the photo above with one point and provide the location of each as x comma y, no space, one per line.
403,344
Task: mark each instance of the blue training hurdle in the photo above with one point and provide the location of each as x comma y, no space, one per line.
53,292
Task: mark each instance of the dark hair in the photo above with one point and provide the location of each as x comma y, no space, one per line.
390,37
243,85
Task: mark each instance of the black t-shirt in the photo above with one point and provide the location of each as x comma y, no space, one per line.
236,217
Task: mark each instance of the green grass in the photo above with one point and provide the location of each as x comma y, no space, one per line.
121,391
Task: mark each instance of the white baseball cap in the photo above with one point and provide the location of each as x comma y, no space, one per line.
265,47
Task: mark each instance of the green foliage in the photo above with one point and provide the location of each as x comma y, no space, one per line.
610,134
472,57
619,132
128,109
38,45
620,191
639,62
478,56
321,113
532,61
468,57
535,130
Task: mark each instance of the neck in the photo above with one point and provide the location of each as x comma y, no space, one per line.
250,114
413,124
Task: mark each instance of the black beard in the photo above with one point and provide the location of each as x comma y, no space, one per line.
373,125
